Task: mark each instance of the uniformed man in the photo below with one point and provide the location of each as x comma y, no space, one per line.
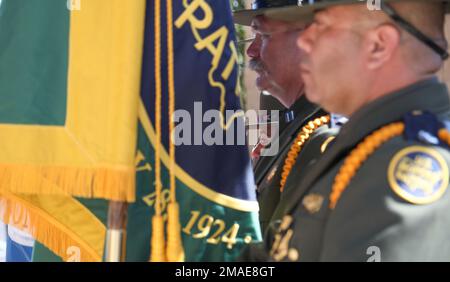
380,193
275,57
268,105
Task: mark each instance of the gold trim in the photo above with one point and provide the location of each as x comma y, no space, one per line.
46,219
92,155
359,155
305,134
158,95
325,144
174,248
208,193
401,192
171,88
217,84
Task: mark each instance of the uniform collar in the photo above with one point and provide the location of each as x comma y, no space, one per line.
299,108
429,94
302,110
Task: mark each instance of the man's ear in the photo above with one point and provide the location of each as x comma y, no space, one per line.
380,44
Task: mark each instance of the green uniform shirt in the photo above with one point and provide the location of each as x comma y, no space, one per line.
395,208
268,168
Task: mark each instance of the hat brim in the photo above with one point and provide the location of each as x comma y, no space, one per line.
299,13
245,17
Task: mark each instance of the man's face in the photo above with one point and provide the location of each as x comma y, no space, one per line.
331,65
275,56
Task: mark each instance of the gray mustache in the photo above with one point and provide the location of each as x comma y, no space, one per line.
256,65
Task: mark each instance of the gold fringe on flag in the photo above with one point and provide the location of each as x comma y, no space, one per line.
55,235
106,183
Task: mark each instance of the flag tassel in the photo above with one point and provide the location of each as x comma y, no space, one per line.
175,252
158,240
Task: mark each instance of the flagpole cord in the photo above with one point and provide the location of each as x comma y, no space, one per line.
175,252
157,240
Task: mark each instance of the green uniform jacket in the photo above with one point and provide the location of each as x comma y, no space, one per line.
395,208
268,168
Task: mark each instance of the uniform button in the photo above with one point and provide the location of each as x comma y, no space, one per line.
313,203
293,254
248,239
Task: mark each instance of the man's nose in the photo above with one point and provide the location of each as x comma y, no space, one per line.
253,49
306,40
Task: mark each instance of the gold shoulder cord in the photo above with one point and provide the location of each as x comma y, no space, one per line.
364,149
296,147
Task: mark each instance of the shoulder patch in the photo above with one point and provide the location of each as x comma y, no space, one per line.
418,174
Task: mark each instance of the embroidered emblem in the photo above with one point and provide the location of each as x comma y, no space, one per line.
418,175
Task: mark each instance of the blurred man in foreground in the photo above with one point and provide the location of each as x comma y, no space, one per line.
381,191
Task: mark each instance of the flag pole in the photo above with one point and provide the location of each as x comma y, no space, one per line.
116,233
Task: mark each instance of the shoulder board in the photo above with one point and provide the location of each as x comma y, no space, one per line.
423,126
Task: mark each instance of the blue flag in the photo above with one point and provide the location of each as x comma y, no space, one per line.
190,73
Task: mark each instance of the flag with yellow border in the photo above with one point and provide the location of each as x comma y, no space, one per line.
69,85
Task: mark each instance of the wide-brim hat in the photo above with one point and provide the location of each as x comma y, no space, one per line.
296,10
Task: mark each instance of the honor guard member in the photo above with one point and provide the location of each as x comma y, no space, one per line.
265,124
275,57
380,193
